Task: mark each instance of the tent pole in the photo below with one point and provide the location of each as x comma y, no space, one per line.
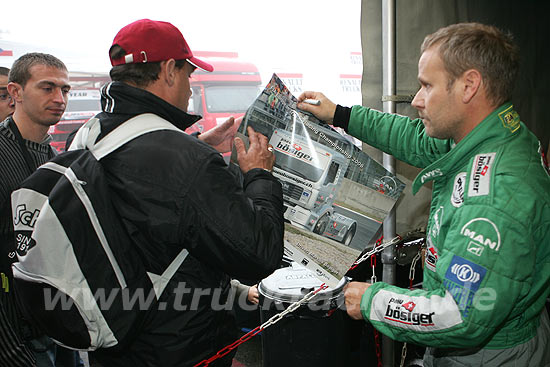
388,88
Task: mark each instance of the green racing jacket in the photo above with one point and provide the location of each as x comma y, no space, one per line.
487,271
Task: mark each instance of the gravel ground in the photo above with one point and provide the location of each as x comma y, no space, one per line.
333,256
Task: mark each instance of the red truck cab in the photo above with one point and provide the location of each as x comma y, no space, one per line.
227,91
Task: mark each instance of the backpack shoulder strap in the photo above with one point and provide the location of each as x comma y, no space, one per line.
86,134
127,131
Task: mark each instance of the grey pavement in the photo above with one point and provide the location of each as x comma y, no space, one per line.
249,354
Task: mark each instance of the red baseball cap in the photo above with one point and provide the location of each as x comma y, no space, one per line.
148,40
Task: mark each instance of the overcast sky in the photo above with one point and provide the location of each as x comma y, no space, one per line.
293,35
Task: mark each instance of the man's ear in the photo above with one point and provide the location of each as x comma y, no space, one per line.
15,90
168,71
472,84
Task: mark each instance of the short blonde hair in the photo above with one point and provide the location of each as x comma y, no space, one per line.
482,47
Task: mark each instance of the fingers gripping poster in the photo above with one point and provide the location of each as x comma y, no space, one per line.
335,195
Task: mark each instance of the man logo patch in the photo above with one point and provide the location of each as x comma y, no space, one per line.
480,175
457,197
482,232
475,248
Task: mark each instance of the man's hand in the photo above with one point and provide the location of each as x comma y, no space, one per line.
352,295
253,294
324,111
258,154
221,137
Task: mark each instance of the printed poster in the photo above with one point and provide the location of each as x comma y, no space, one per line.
335,195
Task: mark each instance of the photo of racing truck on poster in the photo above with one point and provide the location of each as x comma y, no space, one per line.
321,171
310,174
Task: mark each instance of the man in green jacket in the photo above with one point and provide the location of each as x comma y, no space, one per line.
487,270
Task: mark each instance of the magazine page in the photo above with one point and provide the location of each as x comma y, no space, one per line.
335,195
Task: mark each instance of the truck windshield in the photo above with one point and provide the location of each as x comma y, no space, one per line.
230,98
297,167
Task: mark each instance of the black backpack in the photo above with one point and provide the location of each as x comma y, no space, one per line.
78,276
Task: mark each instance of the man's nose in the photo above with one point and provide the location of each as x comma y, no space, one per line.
59,96
418,101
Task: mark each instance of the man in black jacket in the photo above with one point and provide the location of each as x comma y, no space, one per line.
173,191
39,89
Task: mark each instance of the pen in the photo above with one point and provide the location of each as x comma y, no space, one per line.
314,102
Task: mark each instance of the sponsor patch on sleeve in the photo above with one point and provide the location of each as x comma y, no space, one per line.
462,280
480,175
483,232
415,312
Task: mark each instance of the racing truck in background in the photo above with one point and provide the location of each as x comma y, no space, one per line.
227,91
311,174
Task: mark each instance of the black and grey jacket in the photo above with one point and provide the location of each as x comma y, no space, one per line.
172,191
13,170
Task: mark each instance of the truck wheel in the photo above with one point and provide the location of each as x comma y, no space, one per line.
321,224
349,235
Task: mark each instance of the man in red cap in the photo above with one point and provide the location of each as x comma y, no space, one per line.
173,191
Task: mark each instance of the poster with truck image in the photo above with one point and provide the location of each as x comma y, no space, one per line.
335,195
